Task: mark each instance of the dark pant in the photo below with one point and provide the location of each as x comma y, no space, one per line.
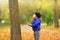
36,35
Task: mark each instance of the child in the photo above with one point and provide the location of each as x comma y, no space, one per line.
36,23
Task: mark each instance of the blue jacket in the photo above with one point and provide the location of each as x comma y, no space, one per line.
36,23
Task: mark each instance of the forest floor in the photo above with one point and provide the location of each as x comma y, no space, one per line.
27,34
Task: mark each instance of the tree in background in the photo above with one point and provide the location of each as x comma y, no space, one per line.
0,14
14,16
56,14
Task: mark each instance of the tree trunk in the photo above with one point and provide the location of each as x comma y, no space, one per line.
56,23
14,16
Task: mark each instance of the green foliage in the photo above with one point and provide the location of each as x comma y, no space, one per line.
59,11
47,15
5,15
27,8
49,19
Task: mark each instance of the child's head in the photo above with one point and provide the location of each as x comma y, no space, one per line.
36,15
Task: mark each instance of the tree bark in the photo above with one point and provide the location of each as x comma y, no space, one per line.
56,23
15,24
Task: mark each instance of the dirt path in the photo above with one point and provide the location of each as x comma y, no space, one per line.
27,34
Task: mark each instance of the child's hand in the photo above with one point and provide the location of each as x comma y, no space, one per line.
29,24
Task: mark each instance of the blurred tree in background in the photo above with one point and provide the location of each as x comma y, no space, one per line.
27,8
0,14
56,14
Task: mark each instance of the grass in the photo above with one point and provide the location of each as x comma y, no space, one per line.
50,27
4,26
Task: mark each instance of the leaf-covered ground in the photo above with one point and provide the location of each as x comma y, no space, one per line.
27,34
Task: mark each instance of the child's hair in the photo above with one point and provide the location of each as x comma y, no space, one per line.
38,14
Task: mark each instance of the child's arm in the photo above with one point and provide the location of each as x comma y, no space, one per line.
34,24
30,25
